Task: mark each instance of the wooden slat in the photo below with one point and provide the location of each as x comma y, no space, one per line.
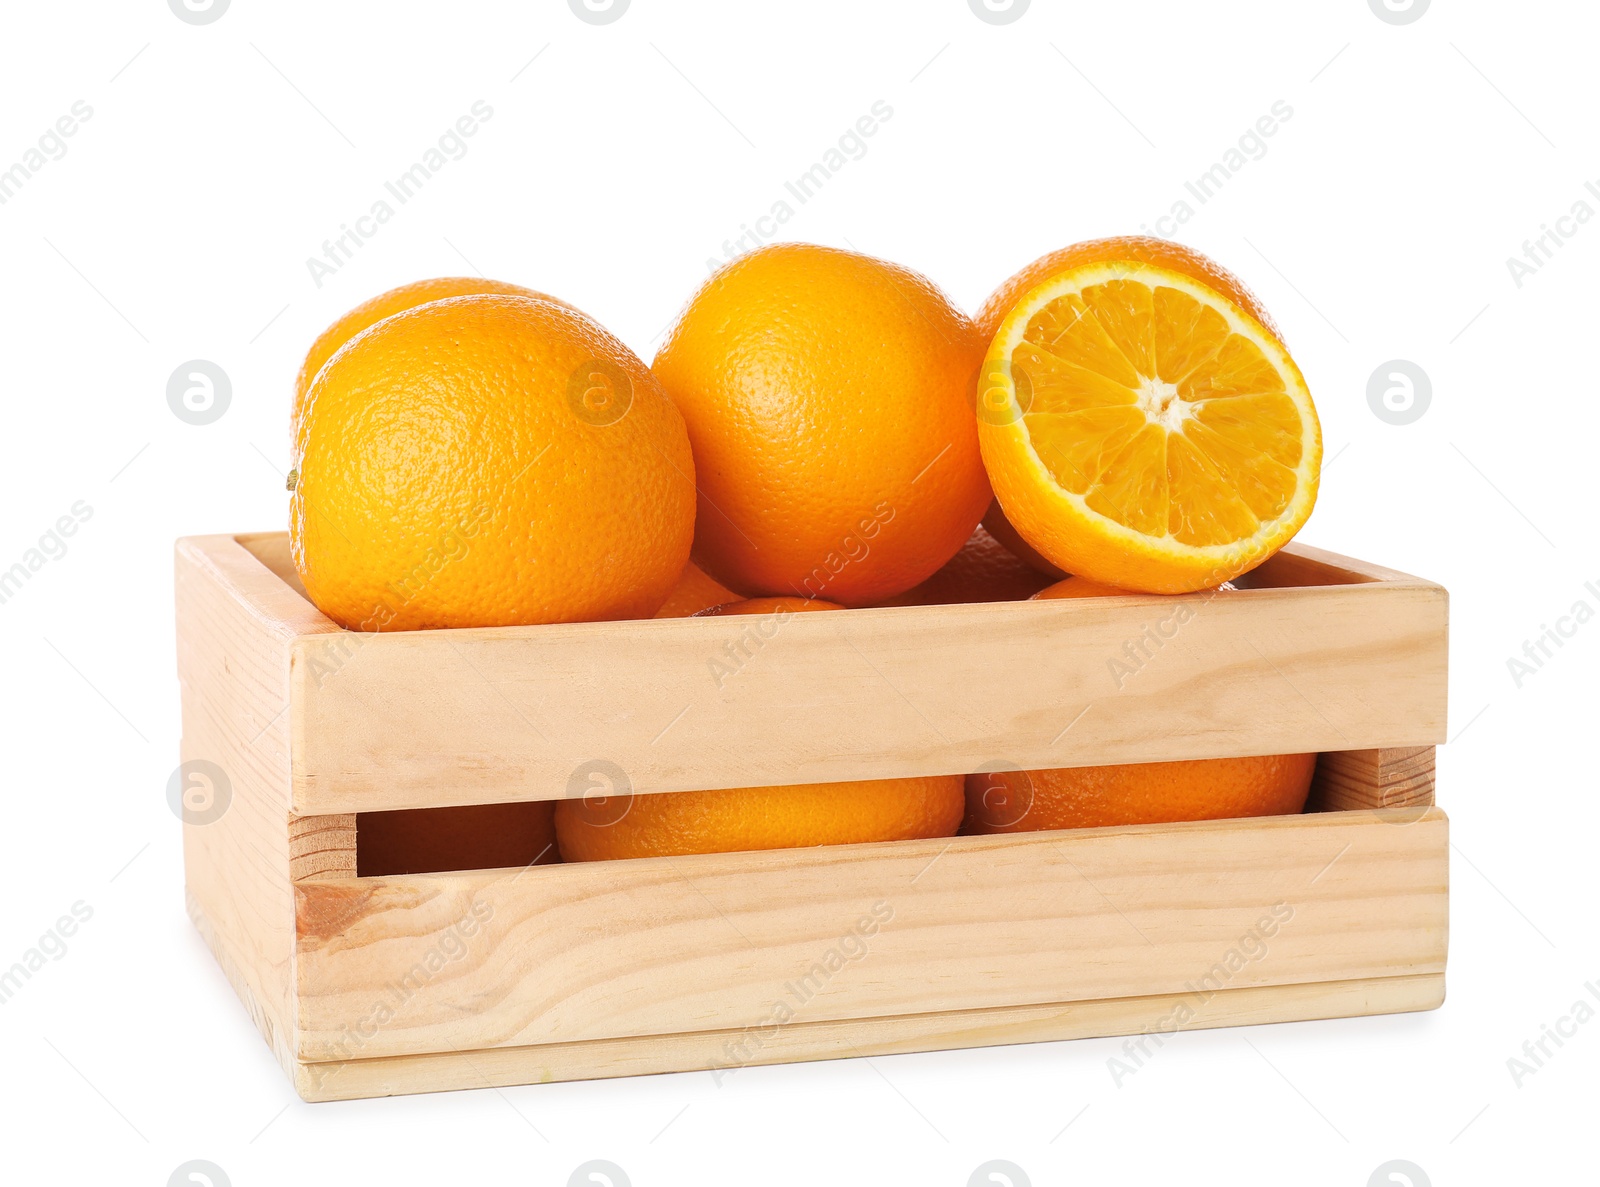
236,624
433,718
724,1052
407,965
1393,777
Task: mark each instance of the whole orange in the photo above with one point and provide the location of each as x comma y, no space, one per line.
769,606
1138,793
489,461
374,310
695,591
1083,587
798,815
998,526
983,571
829,399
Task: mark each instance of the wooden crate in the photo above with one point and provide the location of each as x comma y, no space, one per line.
368,986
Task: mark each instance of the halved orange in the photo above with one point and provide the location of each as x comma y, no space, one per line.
1143,428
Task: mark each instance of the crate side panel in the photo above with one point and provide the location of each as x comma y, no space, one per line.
404,965
453,717
233,664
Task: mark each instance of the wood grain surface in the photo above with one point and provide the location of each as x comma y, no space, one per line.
721,1052
440,962
370,986
1329,654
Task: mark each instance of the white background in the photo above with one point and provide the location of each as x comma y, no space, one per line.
618,160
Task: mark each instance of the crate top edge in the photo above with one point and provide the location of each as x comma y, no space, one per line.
248,578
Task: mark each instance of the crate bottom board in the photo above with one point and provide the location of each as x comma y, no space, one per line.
726,1051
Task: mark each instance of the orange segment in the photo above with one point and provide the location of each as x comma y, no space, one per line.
1202,508
1079,447
1144,429
1055,385
1268,423
1135,487
1069,329
1188,335
1125,309
1237,368
1265,484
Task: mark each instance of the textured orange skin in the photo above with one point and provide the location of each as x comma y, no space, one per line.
769,606
447,480
1138,793
1083,587
998,526
829,401
1078,587
983,571
795,816
370,312
1142,249
476,837
695,591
